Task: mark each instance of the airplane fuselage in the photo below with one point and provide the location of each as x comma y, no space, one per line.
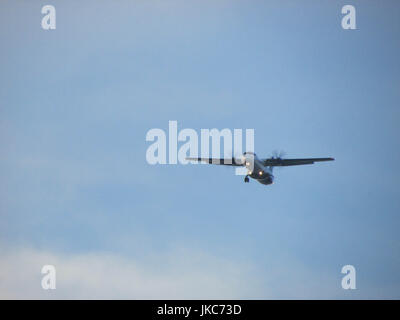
256,170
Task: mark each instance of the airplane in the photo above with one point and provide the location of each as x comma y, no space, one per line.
259,169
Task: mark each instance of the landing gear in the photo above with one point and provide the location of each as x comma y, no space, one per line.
246,179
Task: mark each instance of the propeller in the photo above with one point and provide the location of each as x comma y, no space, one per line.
278,155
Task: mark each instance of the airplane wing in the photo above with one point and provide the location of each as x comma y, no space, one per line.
223,162
292,162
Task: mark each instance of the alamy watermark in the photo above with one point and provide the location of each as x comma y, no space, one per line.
49,278
349,20
230,141
49,20
349,280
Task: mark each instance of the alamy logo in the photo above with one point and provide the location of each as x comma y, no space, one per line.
232,144
49,20
349,20
49,280
349,280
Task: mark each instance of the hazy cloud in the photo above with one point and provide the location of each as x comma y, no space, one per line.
176,275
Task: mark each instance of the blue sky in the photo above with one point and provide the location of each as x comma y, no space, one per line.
76,191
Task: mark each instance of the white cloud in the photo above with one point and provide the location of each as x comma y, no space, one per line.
177,275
